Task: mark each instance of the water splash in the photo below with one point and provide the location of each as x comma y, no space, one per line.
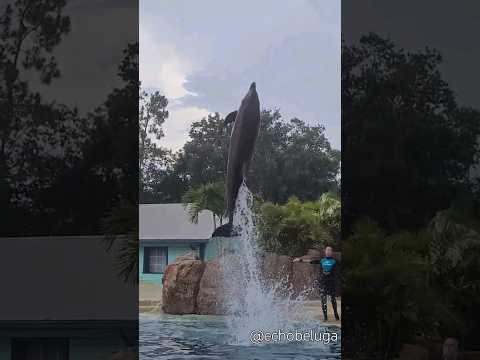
251,302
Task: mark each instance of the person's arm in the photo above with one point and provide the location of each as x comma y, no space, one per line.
306,261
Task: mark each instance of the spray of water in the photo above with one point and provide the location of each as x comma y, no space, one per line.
251,302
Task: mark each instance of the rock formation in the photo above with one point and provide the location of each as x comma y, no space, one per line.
195,287
181,281
209,299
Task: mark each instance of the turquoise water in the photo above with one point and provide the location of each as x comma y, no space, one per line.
207,337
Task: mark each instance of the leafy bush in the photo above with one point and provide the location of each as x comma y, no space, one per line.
295,227
387,294
455,265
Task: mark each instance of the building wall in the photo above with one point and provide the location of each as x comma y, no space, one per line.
173,251
218,245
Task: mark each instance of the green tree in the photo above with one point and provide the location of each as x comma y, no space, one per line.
153,113
409,145
291,158
455,266
203,158
205,197
117,166
389,297
37,139
107,171
295,227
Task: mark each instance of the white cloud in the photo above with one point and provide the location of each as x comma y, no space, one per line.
292,51
177,126
161,66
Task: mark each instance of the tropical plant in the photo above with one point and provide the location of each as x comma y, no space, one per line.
387,294
120,227
295,227
205,197
455,265
330,213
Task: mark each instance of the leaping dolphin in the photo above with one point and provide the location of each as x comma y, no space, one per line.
242,143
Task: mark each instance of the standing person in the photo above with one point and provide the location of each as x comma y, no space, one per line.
328,267
326,281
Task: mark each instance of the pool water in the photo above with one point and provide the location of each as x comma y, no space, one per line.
207,337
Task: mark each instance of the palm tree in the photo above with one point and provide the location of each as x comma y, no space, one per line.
121,226
455,265
330,214
205,197
456,235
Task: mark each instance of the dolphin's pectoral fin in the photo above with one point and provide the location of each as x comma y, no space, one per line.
230,118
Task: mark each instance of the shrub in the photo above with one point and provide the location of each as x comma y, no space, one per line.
295,227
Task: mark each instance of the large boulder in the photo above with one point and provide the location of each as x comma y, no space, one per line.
209,295
277,269
190,255
181,281
304,280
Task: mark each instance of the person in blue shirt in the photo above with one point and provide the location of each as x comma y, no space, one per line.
326,281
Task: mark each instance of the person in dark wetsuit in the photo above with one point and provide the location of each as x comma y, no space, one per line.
326,281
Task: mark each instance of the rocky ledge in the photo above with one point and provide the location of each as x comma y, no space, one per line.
192,286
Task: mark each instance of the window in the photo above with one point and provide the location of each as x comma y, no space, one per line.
195,250
155,260
40,349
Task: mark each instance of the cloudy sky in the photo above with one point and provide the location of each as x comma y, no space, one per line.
203,56
88,57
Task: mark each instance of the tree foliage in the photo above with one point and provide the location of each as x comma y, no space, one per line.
120,227
151,157
295,227
203,158
291,158
38,139
107,171
386,283
406,140
409,284
205,197
408,149
455,265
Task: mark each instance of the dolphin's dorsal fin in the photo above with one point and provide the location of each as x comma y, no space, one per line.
230,118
